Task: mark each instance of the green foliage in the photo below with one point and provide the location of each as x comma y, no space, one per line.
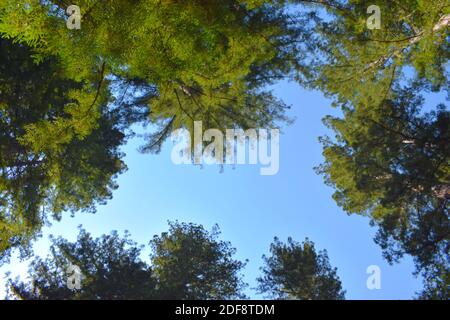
168,62
111,268
393,165
356,64
191,263
187,262
173,62
390,157
205,61
296,271
58,146
436,283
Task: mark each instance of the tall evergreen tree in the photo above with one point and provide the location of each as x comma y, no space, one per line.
436,283
187,262
197,61
191,263
168,63
390,157
58,146
206,60
297,271
108,268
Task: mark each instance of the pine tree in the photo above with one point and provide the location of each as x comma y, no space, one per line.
107,268
187,262
191,263
297,271
58,146
196,61
390,157
168,63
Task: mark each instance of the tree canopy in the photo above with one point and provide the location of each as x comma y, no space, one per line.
58,146
110,268
190,61
297,271
192,263
66,93
69,97
390,157
168,63
187,262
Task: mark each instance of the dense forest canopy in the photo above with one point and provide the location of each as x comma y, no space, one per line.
111,267
187,262
68,98
57,154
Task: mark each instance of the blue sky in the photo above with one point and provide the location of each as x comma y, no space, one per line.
250,209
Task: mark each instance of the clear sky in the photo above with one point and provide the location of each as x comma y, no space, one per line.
250,209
